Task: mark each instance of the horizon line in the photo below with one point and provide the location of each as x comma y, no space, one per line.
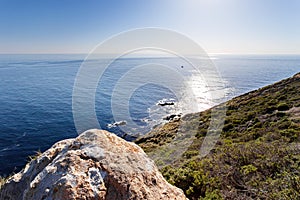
209,54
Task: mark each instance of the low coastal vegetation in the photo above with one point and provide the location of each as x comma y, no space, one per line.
3,179
257,155
37,154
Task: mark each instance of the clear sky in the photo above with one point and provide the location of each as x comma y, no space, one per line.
219,26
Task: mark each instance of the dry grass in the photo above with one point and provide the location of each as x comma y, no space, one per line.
2,181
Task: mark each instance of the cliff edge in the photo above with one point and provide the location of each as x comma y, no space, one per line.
95,165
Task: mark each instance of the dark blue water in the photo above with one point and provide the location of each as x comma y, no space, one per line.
36,96
248,72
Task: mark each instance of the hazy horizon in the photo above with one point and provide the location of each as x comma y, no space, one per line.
218,26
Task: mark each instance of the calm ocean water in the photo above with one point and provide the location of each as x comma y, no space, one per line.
36,96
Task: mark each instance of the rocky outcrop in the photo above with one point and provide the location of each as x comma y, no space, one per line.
95,165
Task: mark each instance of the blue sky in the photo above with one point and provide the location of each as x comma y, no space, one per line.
219,26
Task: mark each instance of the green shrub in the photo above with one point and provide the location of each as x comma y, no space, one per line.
284,125
247,169
191,153
290,133
258,125
214,195
227,127
282,107
201,132
282,97
280,114
270,109
272,102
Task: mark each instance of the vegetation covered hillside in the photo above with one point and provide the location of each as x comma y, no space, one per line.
256,157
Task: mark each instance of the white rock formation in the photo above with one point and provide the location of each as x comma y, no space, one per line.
95,165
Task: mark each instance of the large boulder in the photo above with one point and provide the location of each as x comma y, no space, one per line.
95,165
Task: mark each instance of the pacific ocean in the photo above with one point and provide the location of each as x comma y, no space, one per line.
36,96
